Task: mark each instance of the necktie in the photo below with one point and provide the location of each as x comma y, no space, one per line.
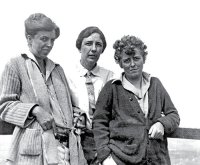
91,96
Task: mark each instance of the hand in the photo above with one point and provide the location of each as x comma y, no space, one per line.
45,120
156,131
79,118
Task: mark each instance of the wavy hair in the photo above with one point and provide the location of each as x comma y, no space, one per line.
128,44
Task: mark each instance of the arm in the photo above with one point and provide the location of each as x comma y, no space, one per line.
101,121
170,120
11,108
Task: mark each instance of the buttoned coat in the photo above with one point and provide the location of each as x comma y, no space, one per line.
121,129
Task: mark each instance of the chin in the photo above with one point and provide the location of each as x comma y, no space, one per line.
92,60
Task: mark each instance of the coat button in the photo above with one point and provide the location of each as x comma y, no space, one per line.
131,99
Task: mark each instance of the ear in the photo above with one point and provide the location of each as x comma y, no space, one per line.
29,39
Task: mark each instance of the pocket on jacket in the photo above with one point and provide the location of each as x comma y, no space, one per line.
31,142
130,149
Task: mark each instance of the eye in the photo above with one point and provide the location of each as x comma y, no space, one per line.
136,58
126,60
88,43
44,39
99,44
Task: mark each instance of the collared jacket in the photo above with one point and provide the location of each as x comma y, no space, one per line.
17,98
121,129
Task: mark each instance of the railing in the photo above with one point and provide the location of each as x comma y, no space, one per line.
181,151
186,133
181,133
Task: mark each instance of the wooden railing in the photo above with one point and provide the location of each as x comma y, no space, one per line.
181,133
186,133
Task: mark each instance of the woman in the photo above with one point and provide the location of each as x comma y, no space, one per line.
35,98
86,83
133,113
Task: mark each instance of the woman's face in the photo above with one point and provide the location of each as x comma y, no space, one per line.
91,48
42,43
132,64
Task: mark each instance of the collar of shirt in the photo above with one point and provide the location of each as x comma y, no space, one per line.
50,65
95,71
140,93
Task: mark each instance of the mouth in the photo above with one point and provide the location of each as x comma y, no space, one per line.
133,70
92,56
46,49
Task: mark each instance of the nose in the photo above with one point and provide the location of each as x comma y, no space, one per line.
132,63
49,43
94,48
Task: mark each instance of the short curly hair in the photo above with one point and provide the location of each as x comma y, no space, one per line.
87,32
128,44
39,22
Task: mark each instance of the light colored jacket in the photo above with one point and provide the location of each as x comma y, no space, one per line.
16,100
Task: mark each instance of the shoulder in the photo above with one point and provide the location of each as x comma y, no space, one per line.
156,84
16,61
104,70
105,73
155,81
112,83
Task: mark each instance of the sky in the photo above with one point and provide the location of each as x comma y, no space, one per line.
169,28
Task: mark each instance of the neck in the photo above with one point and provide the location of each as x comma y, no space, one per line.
136,81
42,64
87,65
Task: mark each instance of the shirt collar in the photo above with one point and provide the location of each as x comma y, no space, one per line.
50,65
95,71
128,86
32,57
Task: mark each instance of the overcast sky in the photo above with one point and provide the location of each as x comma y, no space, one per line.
170,29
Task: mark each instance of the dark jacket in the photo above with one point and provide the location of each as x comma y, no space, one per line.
120,128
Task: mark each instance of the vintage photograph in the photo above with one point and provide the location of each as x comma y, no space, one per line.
89,82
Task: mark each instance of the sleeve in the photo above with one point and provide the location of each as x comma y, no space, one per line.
12,110
101,121
170,120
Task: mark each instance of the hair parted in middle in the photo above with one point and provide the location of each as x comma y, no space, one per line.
128,44
87,32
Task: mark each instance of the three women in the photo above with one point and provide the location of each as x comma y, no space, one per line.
132,116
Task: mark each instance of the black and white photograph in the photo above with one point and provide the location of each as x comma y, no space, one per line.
110,82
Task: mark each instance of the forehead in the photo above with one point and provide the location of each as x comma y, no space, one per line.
93,37
49,34
137,52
